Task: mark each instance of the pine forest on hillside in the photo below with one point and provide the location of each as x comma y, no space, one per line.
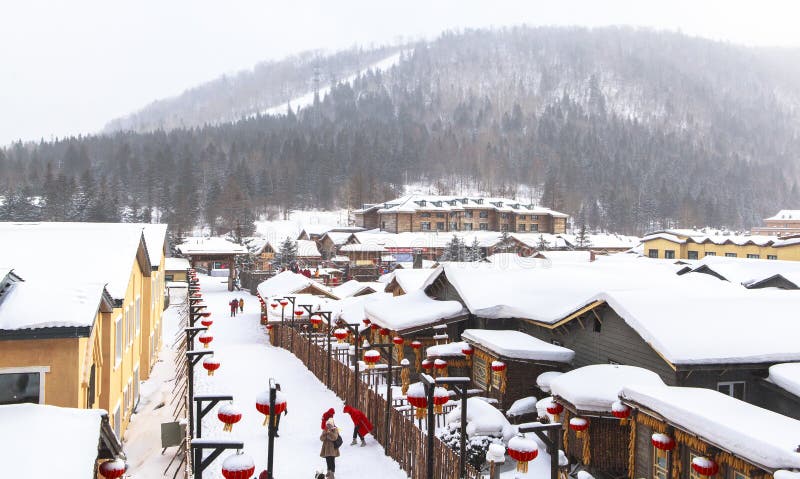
625,130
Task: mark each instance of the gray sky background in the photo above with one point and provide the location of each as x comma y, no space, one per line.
67,67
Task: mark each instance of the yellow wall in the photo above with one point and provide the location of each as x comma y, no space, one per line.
153,305
177,275
791,253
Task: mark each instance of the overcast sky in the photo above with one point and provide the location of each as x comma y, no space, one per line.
67,67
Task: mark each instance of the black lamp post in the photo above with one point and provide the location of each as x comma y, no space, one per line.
192,357
291,299
308,308
429,384
198,463
213,400
273,391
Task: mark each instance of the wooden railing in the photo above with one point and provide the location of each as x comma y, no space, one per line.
404,442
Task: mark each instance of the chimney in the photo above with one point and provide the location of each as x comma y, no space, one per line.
417,259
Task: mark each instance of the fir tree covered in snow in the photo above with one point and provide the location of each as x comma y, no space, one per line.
477,446
474,252
287,254
582,239
541,244
455,250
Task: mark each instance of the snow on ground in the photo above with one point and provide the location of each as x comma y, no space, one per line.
248,361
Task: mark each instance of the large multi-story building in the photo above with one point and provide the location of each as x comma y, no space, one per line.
453,213
785,223
689,244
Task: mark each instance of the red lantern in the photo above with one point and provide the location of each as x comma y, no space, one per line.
416,345
269,327
467,350
238,466
416,398
662,441
578,424
273,305
340,334
704,466
440,398
620,411
283,302
206,322
554,408
427,365
384,332
229,415
522,450
316,321
371,357
440,364
298,312
262,404
205,314
375,327
366,321
398,340
205,338
113,468
498,366
263,319
210,364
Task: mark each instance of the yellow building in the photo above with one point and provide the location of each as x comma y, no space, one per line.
692,245
80,315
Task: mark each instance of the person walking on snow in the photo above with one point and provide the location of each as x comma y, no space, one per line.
327,415
361,425
329,449
241,305
234,305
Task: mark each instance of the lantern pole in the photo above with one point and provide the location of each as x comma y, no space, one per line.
308,308
271,428
429,384
549,434
192,357
461,385
291,299
199,464
213,399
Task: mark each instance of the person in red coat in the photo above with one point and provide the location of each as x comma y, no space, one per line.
327,415
361,424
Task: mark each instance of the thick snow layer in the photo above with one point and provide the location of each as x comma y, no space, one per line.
39,303
526,405
65,438
447,350
757,435
155,236
787,376
746,271
483,419
595,388
210,245
176,264
351,309
544,379
513,260
351,288
286,283
783,474
517,345
72,253
412,279
411,310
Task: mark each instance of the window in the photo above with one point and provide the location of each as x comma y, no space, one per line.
424,215
556,342
652,253
732,388
468,214
504,215
425,226
669,254
772,256
534,217
521,227
691,254
170,277
730,255
692,473
504,227
138,314
118,343
534,227
440,225
480,371
739,475
454,226
22,385
483,214
117,421
440,215
466,227
483,226
129,326
135,397
125,399
522,217
660,463
90,392
710,253
753,256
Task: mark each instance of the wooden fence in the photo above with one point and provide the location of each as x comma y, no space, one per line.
404,442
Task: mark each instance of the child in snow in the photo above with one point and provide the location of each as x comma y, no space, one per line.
241,305
234,305
327,415
329,449
361,425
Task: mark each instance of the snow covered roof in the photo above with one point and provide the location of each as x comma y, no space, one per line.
412,279
584,256
351,288
339,237
364,248
715,237
410,240
596,387
176,264
517,345
417,202
39,303
210,245
544,380
26,425
746,271
74,252
446,350
785,215
764,438
286,283
513,260
307,249
414,310
155,236
787,376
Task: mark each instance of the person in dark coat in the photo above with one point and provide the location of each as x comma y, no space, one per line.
329,450
361,425
234,304
327,415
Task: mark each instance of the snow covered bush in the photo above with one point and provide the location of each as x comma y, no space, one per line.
477,446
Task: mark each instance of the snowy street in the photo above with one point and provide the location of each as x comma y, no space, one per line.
247,363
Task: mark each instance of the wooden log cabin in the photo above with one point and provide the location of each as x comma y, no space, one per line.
593,436
732,439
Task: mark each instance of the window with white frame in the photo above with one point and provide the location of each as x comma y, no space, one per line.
660,463
117,421
732,388
22,385
119,329
135,397
138,314
129,323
